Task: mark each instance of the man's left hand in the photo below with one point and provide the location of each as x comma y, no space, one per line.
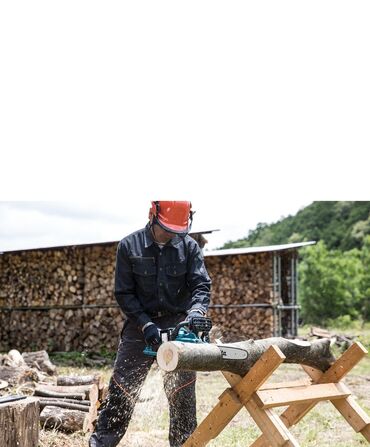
198,322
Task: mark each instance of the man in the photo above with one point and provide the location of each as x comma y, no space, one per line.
160,280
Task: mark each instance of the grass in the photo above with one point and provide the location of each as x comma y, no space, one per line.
323,426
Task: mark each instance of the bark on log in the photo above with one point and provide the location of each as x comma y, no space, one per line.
175,355
62,419
61,403
19,423
80,380
86,403
89,392
46,393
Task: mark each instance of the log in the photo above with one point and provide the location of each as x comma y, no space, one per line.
15,375
89,392
16,358
61,403
40,360
62,419
86,403
19,423
80,380
3,384
175,355
47,393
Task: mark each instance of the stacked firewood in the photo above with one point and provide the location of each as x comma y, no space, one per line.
238,280
63,299
57,294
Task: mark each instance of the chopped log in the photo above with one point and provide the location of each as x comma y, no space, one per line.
319,332
89,392
3,384
19,422
16,375
80,380
61,403
86,403
16,358
47,393
62,419
175,355
40,360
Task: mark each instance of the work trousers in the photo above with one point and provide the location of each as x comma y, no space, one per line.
130,370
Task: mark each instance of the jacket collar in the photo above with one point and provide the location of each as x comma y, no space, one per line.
150,241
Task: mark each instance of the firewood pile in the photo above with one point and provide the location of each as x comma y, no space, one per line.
67,403
63,299
238,280
52,291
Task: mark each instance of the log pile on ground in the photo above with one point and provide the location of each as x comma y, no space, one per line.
67,403
241,280
17,368
72,406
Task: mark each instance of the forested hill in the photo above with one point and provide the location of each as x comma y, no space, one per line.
341,225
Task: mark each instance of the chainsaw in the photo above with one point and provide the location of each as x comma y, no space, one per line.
186,333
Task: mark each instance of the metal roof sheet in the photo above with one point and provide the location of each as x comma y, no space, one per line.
87,244
246,250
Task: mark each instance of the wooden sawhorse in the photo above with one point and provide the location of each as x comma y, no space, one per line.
259,398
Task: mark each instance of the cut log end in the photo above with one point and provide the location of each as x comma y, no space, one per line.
167,356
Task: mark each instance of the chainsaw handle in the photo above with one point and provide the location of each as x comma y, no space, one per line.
175,331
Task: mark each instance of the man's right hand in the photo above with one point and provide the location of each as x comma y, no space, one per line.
152,336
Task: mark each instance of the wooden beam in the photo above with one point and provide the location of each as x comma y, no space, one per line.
271,425
309,393
291,384
213,424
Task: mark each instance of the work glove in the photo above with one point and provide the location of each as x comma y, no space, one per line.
198,322
152,336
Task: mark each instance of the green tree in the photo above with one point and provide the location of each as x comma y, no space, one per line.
365,280
330,284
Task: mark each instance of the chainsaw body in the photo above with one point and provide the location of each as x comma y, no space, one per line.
185,333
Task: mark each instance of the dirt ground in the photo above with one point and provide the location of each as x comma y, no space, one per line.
323,426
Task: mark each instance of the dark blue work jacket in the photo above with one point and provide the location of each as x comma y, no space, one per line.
149,280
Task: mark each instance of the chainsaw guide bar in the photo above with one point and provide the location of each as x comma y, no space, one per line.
231,353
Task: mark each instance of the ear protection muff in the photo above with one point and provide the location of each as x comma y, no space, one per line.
153,211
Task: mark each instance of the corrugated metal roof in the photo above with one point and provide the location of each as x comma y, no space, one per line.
246,250
89,244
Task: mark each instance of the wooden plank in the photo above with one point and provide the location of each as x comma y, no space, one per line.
353,414
366,432
271,425
213,424
290,384
308,393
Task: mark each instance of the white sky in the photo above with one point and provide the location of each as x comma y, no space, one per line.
252,110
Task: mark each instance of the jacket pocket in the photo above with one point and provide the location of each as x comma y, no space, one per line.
145,274
176,276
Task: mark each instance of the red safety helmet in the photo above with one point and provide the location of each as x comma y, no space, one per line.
173,216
